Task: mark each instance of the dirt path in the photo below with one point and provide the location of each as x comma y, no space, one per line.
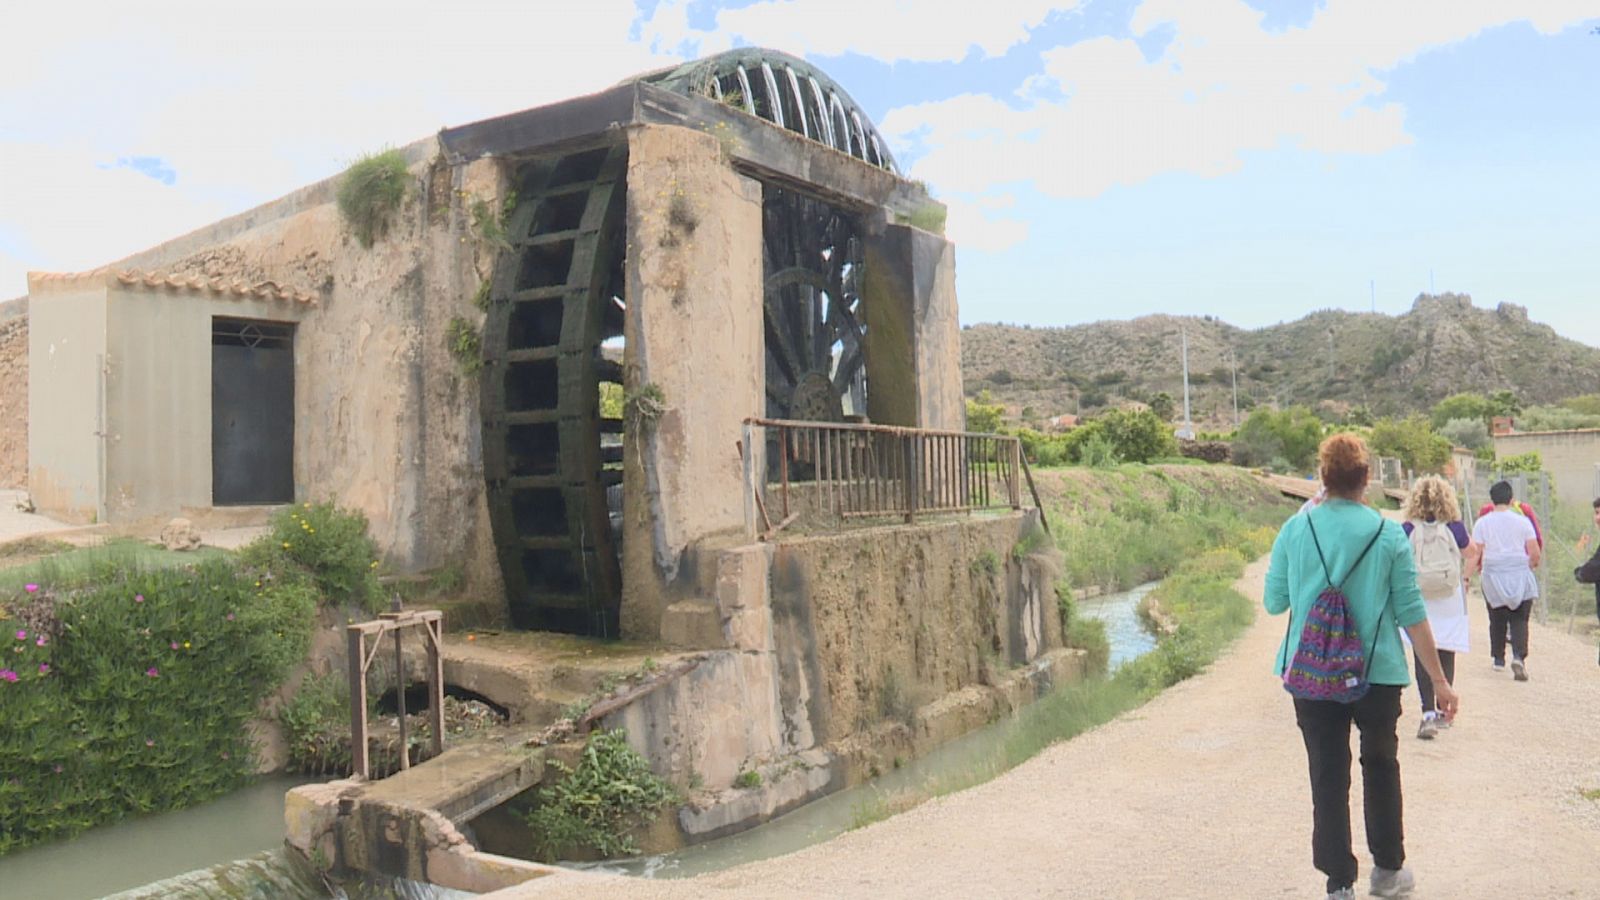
1202,793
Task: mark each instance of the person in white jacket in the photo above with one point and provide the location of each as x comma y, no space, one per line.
1445,557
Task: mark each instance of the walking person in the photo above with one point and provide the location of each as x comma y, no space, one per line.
1444,554
1344,556
1509,551
1589,572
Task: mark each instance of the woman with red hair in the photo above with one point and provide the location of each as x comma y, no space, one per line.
1344,543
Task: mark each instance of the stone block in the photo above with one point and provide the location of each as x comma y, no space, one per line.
180,534
692,624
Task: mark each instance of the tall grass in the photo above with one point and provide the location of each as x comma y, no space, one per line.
1151,522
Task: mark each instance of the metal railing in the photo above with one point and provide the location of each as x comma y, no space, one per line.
858,471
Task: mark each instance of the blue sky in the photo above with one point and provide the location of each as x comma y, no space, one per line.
1248,159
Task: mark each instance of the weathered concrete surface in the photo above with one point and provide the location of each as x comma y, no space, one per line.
66,353
913,330
837,653
694,330
886,619
405,825
14,401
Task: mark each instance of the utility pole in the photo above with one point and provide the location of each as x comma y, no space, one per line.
1330,354
1188,426
1233,364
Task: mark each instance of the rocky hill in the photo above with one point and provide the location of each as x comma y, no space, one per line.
1334,359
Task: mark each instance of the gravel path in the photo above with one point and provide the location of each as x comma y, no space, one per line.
1202,793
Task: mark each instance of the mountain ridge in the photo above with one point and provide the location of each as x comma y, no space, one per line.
1333,359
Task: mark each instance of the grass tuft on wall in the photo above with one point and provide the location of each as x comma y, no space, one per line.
370,191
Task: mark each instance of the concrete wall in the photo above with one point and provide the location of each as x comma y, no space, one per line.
13,398
913,330
1569,456
66,352
386,422
694,330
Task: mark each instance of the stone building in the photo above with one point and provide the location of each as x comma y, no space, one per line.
635,361
1571,457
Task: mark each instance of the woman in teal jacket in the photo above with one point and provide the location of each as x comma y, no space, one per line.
1382,596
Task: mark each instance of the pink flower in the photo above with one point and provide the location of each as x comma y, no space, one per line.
149,743
152,672
8,675
58,768
22,635
173,645
138,598
30,588
230,617
41,641
44,668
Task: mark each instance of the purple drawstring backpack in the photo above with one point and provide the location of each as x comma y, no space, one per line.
1330,662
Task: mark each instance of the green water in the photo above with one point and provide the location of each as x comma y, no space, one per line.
135,852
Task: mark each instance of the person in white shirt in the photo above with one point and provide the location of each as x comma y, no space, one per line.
1509,550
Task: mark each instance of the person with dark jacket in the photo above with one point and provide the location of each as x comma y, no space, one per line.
1589,572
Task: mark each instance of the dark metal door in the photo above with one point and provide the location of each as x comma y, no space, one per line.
252,412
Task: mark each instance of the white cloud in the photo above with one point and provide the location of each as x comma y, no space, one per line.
1102,115
246,102
887,30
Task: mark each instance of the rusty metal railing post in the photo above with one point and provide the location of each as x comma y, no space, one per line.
747,457
356,641
364,640
1016,474
400,685
913,476
435,632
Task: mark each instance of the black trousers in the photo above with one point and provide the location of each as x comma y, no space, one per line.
1447,661
1516,620
1325,726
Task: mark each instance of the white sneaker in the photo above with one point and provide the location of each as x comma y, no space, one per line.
1392,882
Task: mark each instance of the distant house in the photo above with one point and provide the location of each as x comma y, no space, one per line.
1064,422
1572,458
1502,425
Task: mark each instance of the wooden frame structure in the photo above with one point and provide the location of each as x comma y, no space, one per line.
431,621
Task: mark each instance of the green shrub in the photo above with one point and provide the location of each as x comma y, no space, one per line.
370,191
129,690
465,347
748,779
331,545
312,719
593,807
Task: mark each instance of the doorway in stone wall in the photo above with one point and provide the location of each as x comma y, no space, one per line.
252,412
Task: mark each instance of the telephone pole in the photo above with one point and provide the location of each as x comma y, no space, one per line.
1233,364
1188,426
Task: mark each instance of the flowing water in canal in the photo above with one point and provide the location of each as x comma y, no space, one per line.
970,759
239,835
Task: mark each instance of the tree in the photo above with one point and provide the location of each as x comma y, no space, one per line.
1504,403
1461,406
983,414
1163,406
1413,440
1138,436
1587,404
1286,437
1468,433
1129,436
